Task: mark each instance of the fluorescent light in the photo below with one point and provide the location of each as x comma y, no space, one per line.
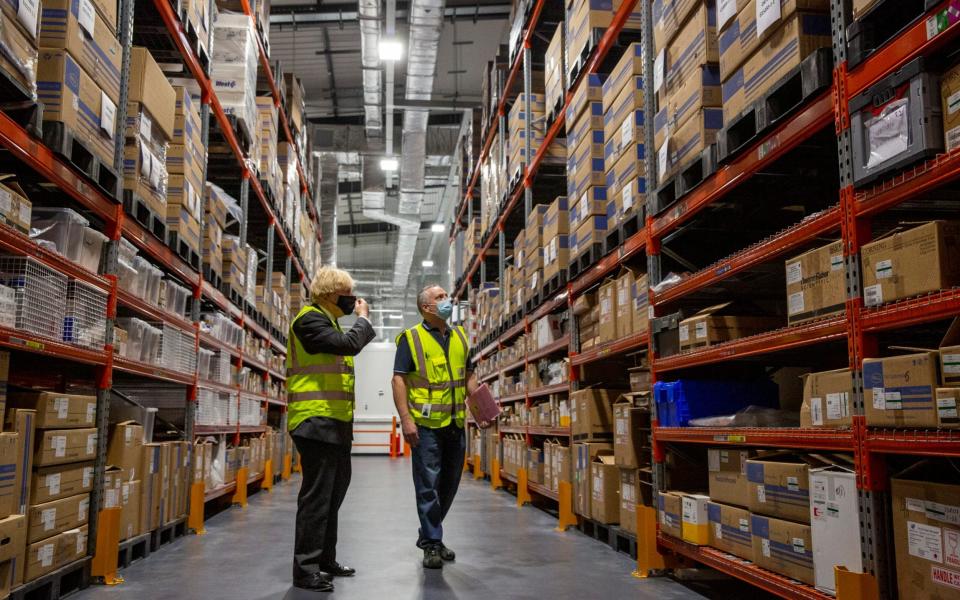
394,316
391,50
427,263
438,228
389,163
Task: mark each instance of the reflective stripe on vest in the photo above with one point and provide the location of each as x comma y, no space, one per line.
318,385
436,396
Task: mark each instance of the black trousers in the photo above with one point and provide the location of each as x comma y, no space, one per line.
326,475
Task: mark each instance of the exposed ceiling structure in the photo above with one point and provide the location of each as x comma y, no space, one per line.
363,108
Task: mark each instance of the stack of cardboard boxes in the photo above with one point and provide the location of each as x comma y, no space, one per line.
62,477
596,477
623,132
533,253
516,125
267,135
622,303
585,21
632,453
16,456
686,82
555,76
556,239
289,176
586,175
186,163
761,42
233,70
129,482
79,65
586,309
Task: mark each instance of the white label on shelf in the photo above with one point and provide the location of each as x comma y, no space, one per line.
62,406
27,12
87,476
146,126
45,555
925,541
91,412
658,70
884,269
892,400
59,445
761,494
799,546
718,530
91,443
745,525
873,295
626,197
663,156
794,272
6,202
816,411
108,115
793,484
52,481
87,16
765,547
726,10
700,330
795,303
626,131
837,405
951,544
836,262
684,333
48,517
932,27
768,13
83,508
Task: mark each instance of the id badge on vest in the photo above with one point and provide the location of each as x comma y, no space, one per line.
427,409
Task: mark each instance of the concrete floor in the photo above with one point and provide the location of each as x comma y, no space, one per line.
502,552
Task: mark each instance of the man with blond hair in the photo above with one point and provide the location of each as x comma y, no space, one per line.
320,419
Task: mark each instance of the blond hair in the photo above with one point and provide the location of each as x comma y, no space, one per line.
329,280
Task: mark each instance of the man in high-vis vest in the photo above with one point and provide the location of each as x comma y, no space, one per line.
320,419
431,381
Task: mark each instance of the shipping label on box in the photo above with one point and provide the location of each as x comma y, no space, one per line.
826,399
730,529
899,390
816,284
783,547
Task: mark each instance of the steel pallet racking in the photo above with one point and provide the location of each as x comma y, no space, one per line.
858,328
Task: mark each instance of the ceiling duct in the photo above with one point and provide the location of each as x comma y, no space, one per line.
327,170
375,205
369,15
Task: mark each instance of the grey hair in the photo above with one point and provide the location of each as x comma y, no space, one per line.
422,296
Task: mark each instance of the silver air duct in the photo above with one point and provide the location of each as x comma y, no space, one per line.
369,14
328,171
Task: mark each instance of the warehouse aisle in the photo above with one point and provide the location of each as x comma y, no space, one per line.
246,554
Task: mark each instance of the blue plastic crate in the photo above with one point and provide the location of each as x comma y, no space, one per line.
680,401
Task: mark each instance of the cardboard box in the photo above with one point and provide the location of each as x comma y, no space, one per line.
826,399
590,232
9,492
608,311
583,455
950,102
13,530
15,211
730,529
72,545
585,165
589,90
834,524
591,414
23,422
51,518
627,133
783,547
742,36
151,487
130,509
695,45
623,88
727,10
925,503
681,147
779,486
899,390
816,284
64,88
626,321
717,324
671,513
668,16
61,481
911,262
605,499
631,166
556,219
560,470
629,498
593,202
59,446
727,479
701,89
125,448
948,400
629,422
149,87
57,411
785,48
950,356
695,526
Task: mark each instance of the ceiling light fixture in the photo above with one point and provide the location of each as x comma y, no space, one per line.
388,163
391,50
438,228
427,263
394,316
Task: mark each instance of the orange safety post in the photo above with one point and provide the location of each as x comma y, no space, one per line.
649,558
267,475
393,438
240,496
566,518
477,467
285,472
197,499
855,586
104,564
523,493
495,482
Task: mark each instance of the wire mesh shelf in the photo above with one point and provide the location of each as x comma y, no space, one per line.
35,296
178,351
85,321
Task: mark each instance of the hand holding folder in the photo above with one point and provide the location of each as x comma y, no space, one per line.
483,406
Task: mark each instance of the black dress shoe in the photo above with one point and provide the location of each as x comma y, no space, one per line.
318,582
338,570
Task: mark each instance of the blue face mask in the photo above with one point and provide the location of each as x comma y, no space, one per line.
445,309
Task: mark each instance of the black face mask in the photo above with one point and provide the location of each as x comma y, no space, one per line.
346,304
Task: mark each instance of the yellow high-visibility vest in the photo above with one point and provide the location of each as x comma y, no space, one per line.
318,385
437,390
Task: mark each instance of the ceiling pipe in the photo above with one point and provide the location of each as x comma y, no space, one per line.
369,16
328,173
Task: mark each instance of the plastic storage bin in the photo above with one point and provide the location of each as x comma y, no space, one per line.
128,278
143,339
85,323
63,227
680,401
33,297
92,249
205,364
223,328
175,297
896,122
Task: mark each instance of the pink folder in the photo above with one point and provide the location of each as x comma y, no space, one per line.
483,406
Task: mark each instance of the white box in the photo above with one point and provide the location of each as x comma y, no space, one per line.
834,524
